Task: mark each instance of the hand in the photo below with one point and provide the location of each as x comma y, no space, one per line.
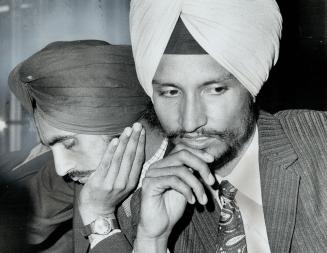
116,176
167,187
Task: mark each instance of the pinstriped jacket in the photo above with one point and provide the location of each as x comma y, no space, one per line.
293,170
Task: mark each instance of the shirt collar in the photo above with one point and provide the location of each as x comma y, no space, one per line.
246,175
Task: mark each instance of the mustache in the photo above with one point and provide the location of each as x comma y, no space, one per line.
224,135
77,174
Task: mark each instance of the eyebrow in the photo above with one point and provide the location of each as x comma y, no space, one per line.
218,80
59,139
156,82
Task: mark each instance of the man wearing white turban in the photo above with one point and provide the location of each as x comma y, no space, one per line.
234,178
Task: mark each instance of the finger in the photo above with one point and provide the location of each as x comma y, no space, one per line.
128,157
117,157
137,166
159,185
186,176
206,157
104,165
185,157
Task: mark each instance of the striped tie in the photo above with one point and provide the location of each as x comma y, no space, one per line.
231,235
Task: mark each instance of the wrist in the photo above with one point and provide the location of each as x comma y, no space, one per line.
146,244
88,214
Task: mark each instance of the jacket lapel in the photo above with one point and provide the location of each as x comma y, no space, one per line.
279,182
206,223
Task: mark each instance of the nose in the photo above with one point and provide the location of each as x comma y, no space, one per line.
62,160
193,113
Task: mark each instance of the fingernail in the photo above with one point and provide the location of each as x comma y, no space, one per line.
211,179
128,131
137,126
209,158
192,199
204,199
114,141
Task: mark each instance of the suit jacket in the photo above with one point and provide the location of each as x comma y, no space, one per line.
56,222
293,171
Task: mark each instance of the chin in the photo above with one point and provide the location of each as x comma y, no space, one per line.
217,149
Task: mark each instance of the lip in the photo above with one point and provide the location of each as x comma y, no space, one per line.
200,142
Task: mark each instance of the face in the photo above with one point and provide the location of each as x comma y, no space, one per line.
202,105
76,156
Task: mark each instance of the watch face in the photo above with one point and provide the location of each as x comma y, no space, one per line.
101,226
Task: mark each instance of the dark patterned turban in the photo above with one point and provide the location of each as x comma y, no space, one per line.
86,87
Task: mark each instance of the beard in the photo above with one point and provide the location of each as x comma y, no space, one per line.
232,140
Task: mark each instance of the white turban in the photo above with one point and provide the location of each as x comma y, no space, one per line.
241,35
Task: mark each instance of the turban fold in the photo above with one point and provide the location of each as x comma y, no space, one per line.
86,87
241,35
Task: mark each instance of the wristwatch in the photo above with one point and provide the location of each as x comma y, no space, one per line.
100,226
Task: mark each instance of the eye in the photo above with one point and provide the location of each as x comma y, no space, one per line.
169,92
215,89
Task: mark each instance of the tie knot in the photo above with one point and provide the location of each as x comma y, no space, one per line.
227,190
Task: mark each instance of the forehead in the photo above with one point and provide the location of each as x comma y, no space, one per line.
48,133
189,67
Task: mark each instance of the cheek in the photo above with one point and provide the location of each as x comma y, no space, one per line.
225,113
90,154
167,112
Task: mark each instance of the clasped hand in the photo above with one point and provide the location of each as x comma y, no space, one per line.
167,187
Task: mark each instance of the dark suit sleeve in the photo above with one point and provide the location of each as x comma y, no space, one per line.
123,241
112,244
52,200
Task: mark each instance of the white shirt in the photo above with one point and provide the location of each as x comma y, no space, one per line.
246,178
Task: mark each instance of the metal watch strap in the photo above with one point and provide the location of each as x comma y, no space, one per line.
87,230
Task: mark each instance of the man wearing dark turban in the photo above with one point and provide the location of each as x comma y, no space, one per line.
85,97
235,179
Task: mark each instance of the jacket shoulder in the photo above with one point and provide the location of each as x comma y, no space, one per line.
303,122
307,132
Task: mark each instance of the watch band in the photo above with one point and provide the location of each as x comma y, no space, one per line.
108,224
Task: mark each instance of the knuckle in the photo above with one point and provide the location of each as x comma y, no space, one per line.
120,186
174,180
108,188
183,153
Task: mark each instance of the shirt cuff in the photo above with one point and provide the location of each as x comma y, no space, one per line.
95,239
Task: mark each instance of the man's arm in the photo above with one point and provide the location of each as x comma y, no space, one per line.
114,180
169,184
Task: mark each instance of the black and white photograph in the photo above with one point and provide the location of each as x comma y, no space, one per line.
163,126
